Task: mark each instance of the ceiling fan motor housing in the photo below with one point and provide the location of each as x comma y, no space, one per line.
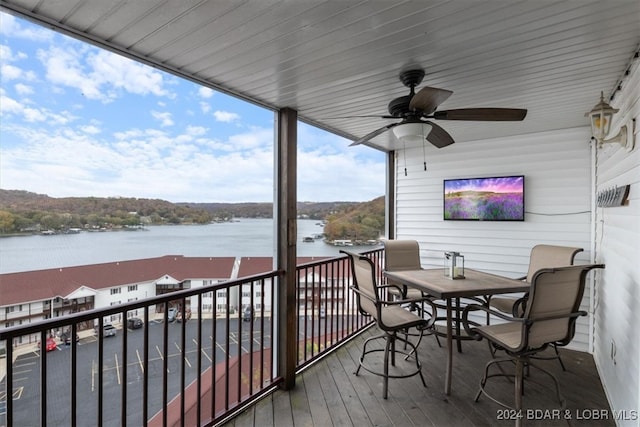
399,107
411,78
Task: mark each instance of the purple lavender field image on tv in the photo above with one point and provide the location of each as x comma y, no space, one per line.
484,199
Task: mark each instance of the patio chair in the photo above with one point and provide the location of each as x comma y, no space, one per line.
402,255
390,317
549,317
542,256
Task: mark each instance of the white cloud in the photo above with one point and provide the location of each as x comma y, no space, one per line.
10,72
5,53
225,116
100,75
12,107
204,107
196,130
205,92
185,166
90,129
9,105
10,26
65,67
164,118
23,89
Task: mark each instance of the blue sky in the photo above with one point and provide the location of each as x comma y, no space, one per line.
79,121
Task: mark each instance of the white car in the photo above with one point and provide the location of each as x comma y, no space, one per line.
108,330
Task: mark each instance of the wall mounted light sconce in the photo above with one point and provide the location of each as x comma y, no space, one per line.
601,117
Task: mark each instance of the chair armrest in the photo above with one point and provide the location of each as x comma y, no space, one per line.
360,293
468,327
559,316
406,301
519,306
391,285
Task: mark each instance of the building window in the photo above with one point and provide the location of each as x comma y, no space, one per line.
258,293
246,294
132,288
222,294
115,291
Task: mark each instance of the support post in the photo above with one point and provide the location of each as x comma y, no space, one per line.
390,201
286,238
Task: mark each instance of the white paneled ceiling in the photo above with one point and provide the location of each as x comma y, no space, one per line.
332,60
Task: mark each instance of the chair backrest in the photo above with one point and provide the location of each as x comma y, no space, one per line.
555,292
401,255
550,256
364,280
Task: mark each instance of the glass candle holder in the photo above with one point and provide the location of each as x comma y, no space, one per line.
453,265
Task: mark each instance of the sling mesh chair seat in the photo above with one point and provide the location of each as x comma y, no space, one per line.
402,255
542,256
549,317
390,317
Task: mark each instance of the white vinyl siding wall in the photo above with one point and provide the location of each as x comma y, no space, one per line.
617,318
558,187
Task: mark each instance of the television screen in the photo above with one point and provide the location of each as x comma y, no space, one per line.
484,199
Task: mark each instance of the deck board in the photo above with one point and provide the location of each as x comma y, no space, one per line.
317,403
329,394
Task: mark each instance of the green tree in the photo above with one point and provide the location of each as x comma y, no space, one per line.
7,222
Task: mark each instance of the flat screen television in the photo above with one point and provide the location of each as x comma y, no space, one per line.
484,199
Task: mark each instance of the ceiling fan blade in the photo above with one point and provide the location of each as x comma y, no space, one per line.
482,114
361,117
427,99
373,134
438,136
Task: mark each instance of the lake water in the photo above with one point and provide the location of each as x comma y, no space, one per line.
246,237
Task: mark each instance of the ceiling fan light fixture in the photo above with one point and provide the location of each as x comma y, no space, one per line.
412,132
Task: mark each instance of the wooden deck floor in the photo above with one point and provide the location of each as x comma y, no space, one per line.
329,394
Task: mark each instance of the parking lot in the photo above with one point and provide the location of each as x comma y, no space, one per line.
115,373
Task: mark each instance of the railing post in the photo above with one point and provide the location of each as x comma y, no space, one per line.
286,237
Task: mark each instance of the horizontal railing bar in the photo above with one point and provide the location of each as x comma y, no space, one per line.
25,329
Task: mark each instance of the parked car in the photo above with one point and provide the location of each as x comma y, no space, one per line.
65,337
187,315
134,323
247,314
51,345
171,314
108,330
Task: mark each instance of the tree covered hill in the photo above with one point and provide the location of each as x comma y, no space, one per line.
362,222
23,211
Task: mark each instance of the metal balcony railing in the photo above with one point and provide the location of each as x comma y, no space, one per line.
196,356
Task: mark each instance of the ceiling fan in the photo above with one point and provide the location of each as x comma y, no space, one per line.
417,108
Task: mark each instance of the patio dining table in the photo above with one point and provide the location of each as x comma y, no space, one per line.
475,284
